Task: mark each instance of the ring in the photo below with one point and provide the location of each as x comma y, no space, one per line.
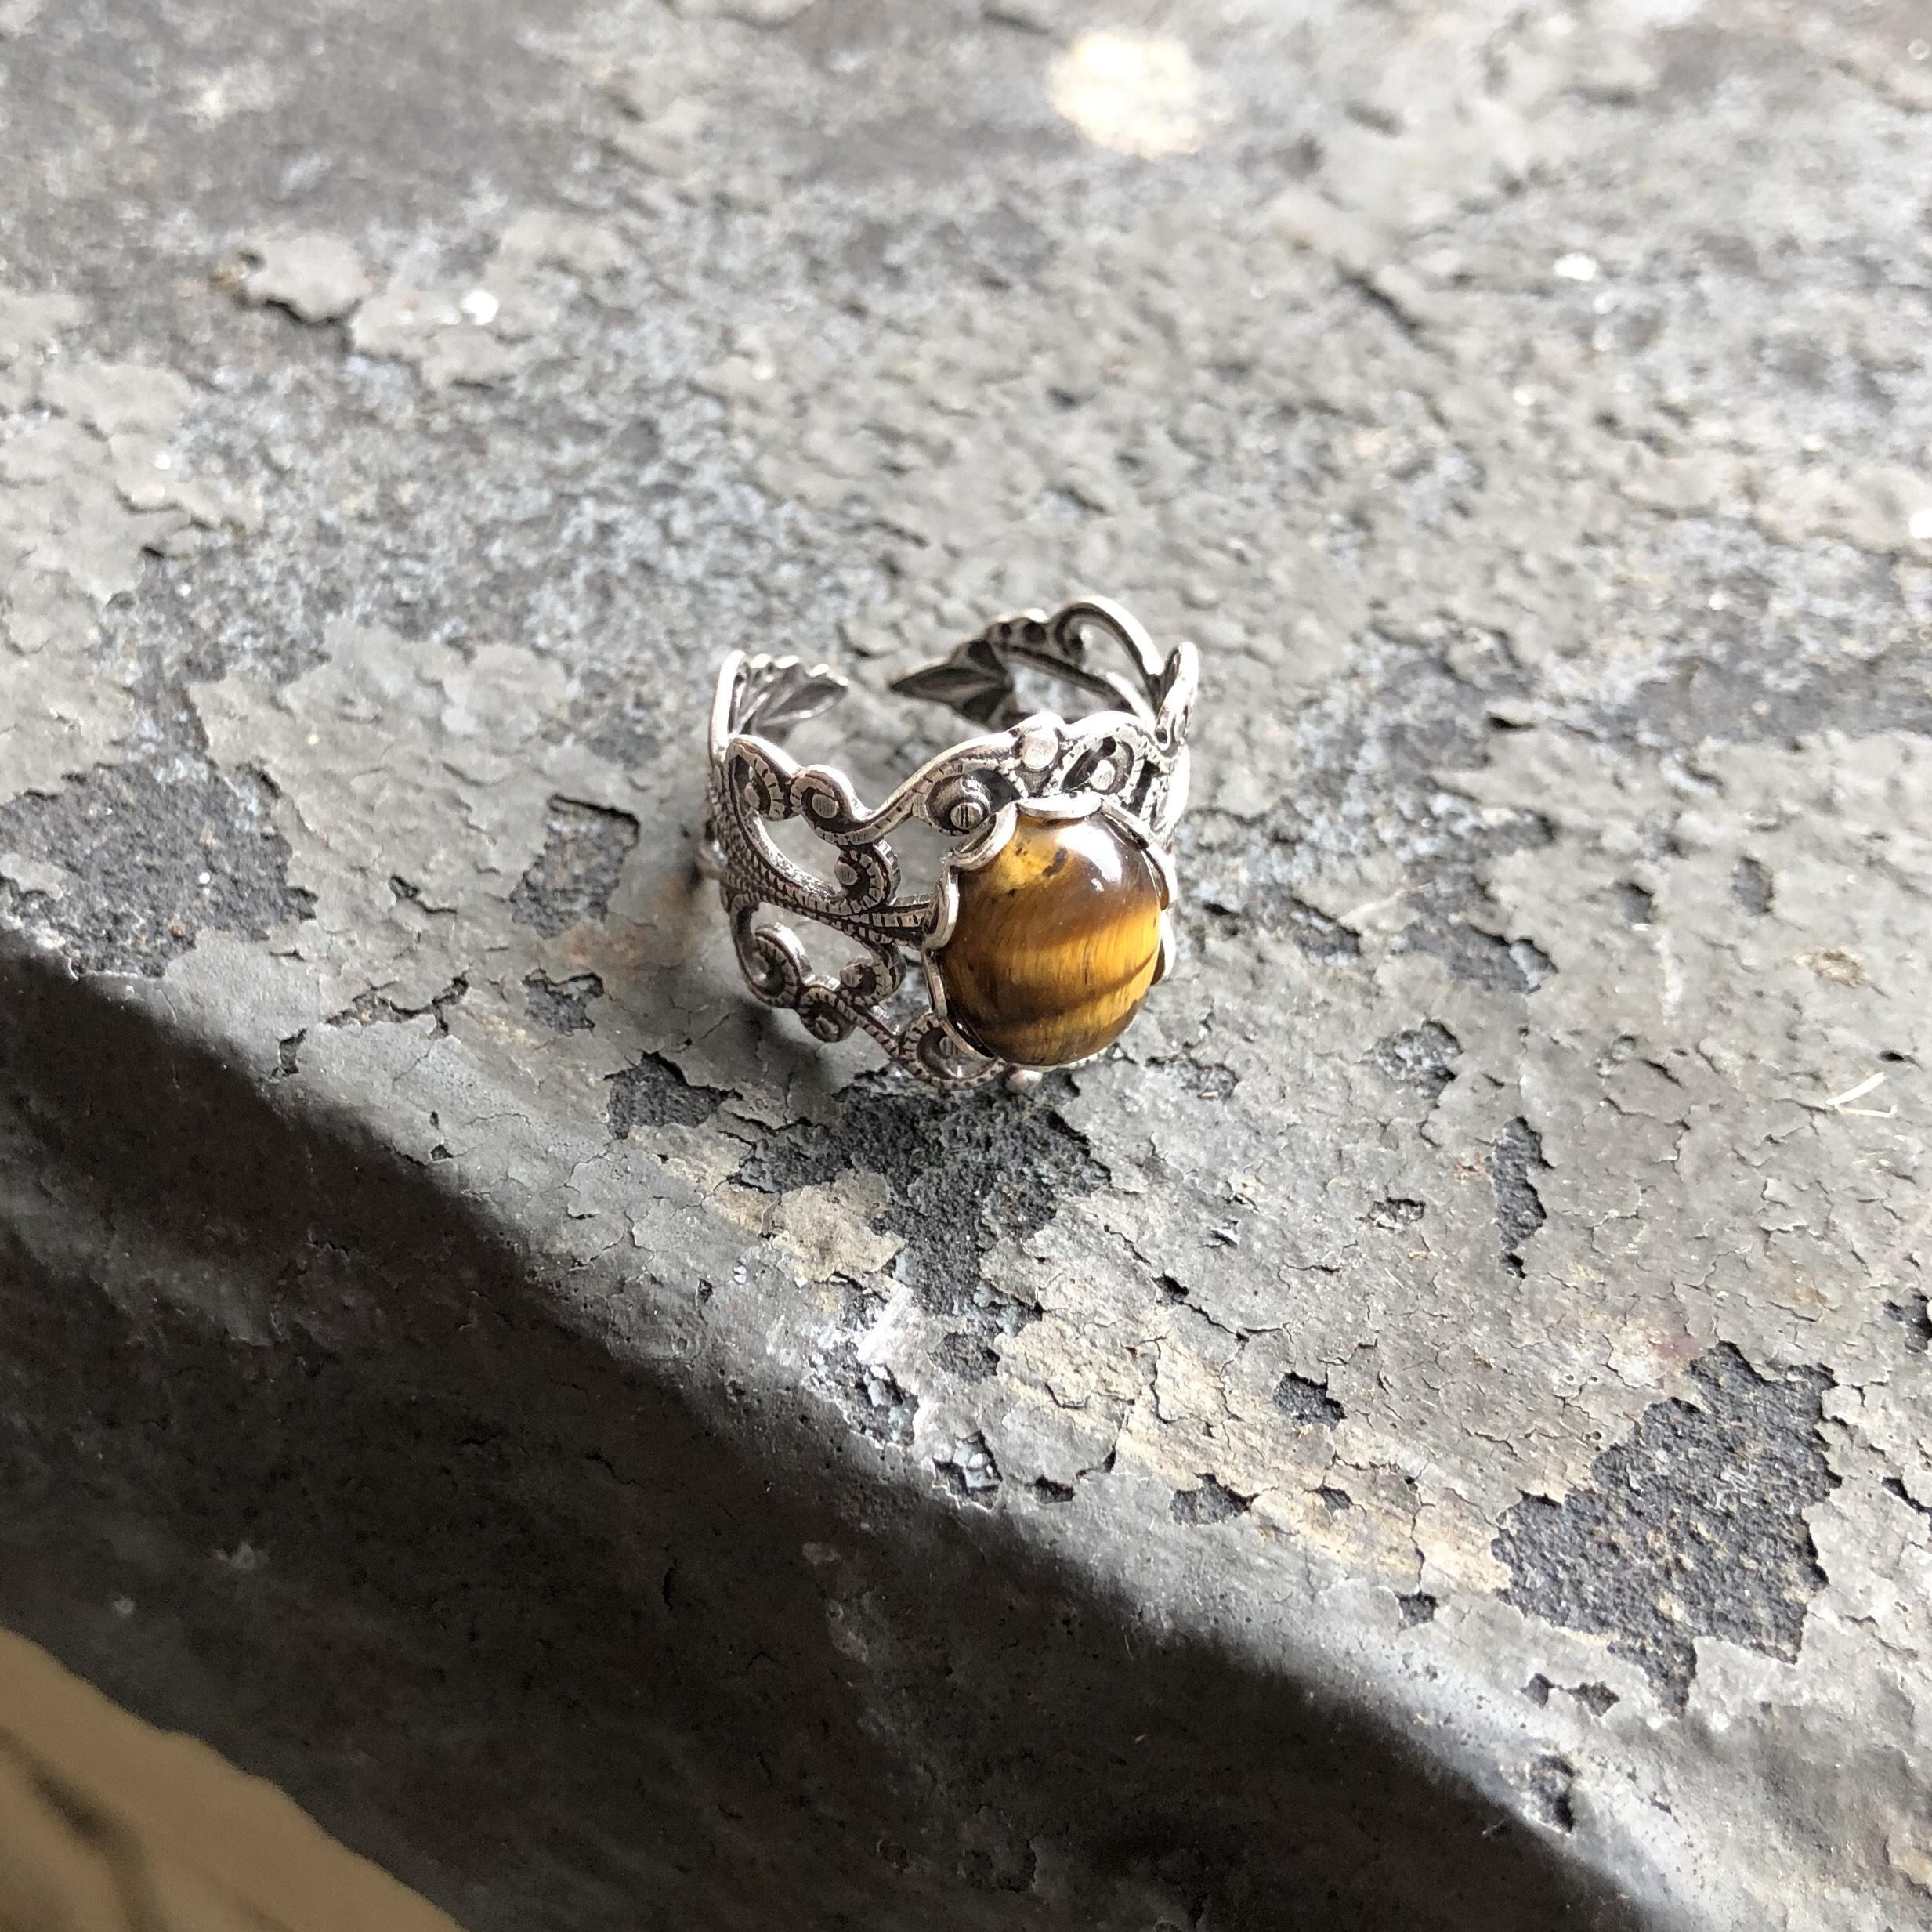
1047,922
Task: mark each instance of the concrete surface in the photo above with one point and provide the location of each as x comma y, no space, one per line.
1429,1432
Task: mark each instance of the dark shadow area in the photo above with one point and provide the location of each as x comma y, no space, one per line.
521,1621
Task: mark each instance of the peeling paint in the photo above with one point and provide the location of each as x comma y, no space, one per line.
1559,881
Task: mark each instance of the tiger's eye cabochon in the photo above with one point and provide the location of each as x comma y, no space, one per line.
1056,942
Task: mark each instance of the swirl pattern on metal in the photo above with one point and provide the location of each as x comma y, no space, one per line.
1127,760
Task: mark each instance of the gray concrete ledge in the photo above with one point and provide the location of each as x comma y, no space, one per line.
1428,1429
567,1633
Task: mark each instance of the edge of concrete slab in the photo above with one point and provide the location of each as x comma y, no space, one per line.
312,1459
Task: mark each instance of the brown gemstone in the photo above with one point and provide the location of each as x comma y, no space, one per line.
1056,942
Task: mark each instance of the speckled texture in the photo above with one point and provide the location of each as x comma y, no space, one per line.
1528,413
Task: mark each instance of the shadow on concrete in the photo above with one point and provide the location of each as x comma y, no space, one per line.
515,1618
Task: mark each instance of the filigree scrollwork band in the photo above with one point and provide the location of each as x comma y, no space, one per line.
1124,764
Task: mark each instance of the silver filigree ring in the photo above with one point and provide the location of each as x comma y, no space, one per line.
1048,922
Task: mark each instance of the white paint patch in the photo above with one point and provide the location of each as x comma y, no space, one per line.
1137,96
34,875
316,277
1673,995
249,89
826,1229
1574,267
1876,508
85,493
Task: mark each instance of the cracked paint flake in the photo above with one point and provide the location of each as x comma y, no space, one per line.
395,764
317,278
89,486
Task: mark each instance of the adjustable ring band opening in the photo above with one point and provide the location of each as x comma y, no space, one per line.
1047,922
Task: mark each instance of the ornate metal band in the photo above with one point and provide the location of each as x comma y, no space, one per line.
1126,762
